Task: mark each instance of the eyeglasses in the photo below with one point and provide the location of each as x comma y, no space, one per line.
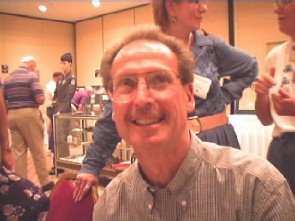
198,1
158,82
283,3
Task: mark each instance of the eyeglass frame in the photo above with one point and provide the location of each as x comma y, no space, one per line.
282,3
138,76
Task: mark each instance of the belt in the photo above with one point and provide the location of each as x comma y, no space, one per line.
201,124
15,108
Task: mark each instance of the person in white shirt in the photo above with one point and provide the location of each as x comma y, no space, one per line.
275,95
50,88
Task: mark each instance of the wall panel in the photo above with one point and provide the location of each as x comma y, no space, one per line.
89,50
115,26
143,15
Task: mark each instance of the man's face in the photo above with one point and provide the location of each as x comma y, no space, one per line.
155,115
286,18
65,66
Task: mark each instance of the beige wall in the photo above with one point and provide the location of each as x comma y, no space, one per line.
45,40
89,47
95,36
216,20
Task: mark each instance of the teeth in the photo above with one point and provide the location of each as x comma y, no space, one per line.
147,121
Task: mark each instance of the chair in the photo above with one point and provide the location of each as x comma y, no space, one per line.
62,205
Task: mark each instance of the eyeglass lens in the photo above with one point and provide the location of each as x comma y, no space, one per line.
158,81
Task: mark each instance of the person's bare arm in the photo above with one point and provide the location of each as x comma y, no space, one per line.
262,103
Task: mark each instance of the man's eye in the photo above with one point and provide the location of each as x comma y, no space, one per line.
160,79
197,1
126,82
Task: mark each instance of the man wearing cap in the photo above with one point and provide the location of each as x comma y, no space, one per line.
66,88
23,94
64,92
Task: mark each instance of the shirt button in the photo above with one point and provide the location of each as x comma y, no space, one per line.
150,206
183,203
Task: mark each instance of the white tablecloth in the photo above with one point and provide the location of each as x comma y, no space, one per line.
252,135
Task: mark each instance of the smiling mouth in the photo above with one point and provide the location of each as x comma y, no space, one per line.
147,121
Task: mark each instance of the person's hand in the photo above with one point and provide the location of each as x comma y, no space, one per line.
83,184
264,83
284,102
7,160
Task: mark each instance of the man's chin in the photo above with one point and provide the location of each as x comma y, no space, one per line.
150,141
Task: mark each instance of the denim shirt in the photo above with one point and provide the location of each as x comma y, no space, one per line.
214,59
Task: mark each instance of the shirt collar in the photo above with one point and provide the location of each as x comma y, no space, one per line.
202,40
184,178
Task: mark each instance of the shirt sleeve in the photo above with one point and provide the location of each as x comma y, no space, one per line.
36,86
238,65
275,204
84,99
105,140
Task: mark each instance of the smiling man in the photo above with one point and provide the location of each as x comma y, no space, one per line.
149,77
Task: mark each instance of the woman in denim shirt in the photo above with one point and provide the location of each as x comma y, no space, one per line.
214,59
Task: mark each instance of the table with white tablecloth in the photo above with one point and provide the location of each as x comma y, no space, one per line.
252,135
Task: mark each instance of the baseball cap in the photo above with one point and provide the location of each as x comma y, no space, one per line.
66,57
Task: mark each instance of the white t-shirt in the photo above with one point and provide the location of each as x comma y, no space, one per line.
50,88
282,58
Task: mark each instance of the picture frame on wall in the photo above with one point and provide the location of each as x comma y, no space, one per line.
4,69
97,73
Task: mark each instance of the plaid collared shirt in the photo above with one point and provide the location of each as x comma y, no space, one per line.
213,183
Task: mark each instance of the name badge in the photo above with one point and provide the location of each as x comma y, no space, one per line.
201,86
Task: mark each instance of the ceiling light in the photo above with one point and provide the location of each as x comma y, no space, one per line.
95,3
42,8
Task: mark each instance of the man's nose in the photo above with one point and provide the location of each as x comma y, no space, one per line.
142,93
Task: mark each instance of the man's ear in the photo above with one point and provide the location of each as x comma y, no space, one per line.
190,97
170,8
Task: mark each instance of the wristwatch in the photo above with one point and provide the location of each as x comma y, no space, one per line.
6,149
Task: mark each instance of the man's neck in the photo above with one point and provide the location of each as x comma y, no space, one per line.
160,166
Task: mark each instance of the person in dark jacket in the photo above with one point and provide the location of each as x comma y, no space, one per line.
63,95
